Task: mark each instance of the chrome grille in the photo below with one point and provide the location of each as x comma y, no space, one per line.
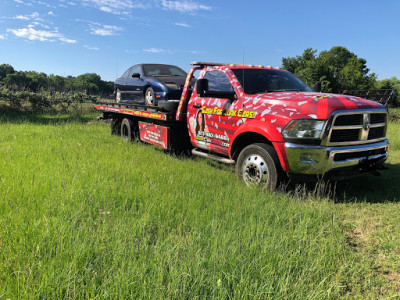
357,127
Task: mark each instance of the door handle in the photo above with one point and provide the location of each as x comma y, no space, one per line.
197,106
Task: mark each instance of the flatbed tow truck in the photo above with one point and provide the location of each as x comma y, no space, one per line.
263,119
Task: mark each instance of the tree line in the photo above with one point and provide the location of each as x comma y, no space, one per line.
338,70
32,81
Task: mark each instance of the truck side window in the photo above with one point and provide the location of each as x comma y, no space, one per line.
217,81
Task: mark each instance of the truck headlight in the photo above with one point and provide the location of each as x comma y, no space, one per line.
311,129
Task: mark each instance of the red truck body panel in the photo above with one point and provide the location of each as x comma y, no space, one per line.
265,114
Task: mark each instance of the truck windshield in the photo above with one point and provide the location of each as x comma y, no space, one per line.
260,81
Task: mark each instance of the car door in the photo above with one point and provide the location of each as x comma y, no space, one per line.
121,84
134,86
210,122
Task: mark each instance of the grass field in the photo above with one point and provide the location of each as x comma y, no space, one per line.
84,215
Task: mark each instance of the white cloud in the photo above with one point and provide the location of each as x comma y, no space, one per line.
50,13
117,7
156,50
183,6
33,34
3,36
91,48
33,16
20,17
183,25
19,1
65,40
104,30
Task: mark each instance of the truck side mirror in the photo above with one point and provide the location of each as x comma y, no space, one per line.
317,86
201,87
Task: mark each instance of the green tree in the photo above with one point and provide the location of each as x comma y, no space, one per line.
56,83
17,81
391,83
88,83
337,69
37,81
4,70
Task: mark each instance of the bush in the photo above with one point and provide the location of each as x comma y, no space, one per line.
44,101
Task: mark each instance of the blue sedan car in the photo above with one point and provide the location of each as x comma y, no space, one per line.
150,83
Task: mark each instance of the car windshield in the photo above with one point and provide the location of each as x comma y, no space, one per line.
162,70
260,81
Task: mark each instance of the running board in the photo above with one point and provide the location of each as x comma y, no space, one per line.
211,156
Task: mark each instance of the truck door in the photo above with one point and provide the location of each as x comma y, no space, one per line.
210,124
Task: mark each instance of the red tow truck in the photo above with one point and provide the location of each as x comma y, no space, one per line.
263,119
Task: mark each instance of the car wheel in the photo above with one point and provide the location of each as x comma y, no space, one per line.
149,97
258,165
118,97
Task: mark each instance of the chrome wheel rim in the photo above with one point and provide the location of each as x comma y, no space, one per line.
149,97
255,170
118,96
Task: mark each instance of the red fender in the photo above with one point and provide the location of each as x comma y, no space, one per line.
270,133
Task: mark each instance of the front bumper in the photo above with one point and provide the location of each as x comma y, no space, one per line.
319,160
170,95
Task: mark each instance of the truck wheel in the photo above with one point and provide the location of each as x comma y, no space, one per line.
149,97
258,164
115,126
128,132
118,96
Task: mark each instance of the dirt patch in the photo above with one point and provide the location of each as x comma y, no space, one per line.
362,234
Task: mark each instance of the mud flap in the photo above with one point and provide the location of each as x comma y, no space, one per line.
154,134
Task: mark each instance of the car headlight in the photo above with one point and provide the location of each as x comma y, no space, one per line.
298,129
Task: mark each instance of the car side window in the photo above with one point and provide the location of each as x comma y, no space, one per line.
126,74
133,70
218,81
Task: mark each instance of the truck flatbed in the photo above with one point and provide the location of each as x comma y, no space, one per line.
137,110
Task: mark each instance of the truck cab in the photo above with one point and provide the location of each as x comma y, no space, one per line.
304,132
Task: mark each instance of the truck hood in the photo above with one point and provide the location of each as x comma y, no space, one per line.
312,105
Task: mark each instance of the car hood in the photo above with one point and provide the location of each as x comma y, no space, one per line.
313,105
180,80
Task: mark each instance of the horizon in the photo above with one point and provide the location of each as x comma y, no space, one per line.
70,38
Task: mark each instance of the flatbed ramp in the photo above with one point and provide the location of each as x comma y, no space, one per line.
137,110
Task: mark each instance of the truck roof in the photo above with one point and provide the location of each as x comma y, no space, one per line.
236,66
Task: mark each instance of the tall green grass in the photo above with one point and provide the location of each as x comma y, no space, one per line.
84,215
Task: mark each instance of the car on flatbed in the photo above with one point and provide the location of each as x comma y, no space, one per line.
150,84
264,120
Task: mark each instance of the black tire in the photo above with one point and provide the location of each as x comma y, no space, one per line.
118,96
169,106
116,127
128,130
149,97
258,165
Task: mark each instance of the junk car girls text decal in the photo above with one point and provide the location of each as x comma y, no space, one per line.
240,113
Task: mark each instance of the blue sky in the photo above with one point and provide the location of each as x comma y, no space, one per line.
67,37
